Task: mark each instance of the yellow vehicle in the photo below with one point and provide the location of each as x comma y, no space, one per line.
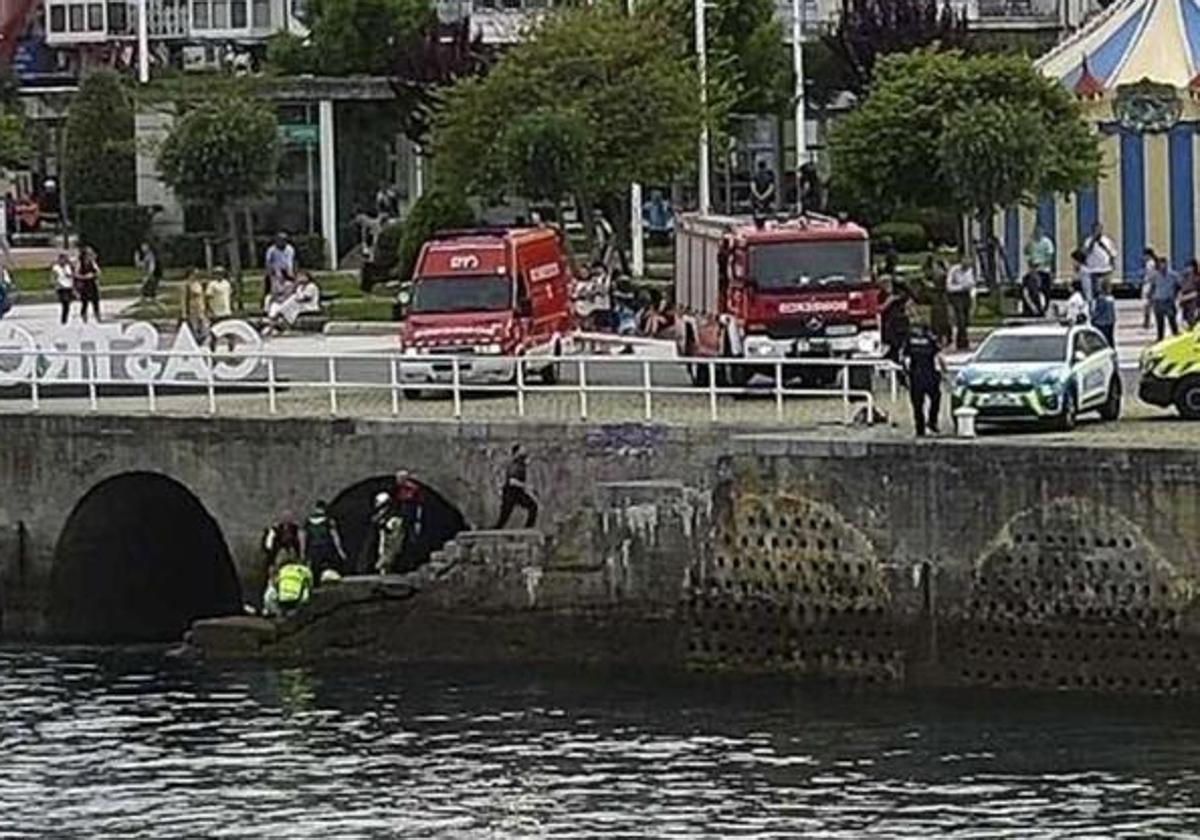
1171,374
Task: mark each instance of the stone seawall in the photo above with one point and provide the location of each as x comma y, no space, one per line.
1005,562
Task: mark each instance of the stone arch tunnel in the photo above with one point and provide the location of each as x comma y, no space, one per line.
440,520
138,559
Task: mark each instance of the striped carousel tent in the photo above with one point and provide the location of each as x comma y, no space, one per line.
1135,69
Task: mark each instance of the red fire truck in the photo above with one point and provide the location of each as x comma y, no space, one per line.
493,295
800,288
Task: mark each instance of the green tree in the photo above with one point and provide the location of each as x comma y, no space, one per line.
629,82
436,210
99,154
222,153
749,62
545,154
348,37
914,141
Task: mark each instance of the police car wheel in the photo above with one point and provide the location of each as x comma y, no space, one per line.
1066,421
1111,409
1187,398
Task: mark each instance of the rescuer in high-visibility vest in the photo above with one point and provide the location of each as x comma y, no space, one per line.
293,585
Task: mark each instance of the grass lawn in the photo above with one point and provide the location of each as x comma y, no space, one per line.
38,279
350,303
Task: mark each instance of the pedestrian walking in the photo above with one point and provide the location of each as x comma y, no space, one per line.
194,306
62,277
1104,314
939,308
147,262
87,284
1189,294
1039,256
960,289
894,321
1164,296
925,367
1149,266
1099,257
515,492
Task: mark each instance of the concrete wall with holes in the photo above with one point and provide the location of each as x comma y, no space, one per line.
1000,564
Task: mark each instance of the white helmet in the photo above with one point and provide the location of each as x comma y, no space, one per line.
382,500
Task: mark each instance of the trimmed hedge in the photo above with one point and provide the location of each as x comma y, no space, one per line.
186,250
908,237
114,230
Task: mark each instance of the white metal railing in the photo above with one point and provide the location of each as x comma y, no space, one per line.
636,387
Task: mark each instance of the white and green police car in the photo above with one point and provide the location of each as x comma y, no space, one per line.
1047,372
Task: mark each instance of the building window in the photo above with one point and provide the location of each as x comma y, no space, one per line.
262,14
200,14
58,18
76,17
220,14
118,18
237,14
95,17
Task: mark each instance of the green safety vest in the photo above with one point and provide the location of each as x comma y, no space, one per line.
294,583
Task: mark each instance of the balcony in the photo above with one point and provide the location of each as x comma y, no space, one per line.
90,21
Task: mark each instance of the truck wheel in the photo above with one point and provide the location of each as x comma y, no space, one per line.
411,393
1187,398
1111,409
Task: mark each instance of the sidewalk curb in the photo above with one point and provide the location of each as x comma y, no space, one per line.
361,328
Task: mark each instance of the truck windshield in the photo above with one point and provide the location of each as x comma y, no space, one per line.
786,265
492,293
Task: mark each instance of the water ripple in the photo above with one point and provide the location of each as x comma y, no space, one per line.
133,744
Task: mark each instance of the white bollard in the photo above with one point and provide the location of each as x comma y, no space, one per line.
964,422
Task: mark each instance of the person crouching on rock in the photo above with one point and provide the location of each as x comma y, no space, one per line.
293,584
389,533
322,542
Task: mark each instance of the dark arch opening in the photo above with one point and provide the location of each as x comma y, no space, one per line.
440,521
138,560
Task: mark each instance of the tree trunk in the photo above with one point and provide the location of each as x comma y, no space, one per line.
248,216
235,256
583,212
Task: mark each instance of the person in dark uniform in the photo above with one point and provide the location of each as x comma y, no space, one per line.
925,367
515,492
762,193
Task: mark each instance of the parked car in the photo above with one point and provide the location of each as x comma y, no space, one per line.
1171,374
1048,373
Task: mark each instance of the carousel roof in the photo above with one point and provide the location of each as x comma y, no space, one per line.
1130,41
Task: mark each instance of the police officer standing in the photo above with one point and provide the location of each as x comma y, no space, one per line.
925,367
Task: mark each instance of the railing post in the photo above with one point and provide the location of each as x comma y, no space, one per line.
779,390
712,390
520,363
395,387
272,404
93,401
583,401
647,394
456,379
847,414
332,364
151,396
34,401
212,389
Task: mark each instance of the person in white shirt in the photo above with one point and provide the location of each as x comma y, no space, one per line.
1099,257
1077,306
960,290
62,276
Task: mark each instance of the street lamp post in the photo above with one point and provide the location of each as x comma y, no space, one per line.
143,41
702,66
798,70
